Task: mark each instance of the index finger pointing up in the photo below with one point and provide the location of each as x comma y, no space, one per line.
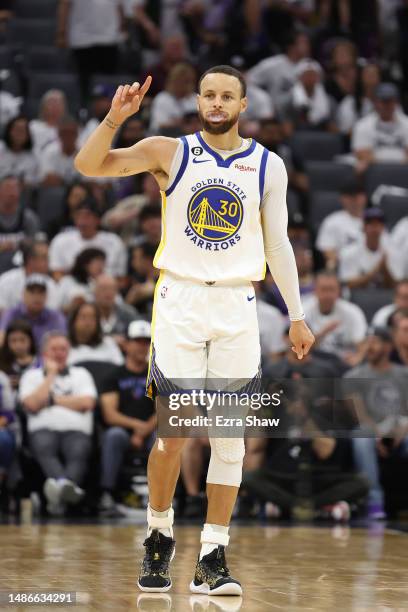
145,87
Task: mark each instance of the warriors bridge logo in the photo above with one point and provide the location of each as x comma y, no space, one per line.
214,216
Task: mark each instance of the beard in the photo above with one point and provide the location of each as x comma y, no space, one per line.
218,128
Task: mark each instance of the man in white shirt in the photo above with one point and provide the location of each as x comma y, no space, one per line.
277,74
342,227
44,130
339,326
35,261
307,105
66,245
365,263
381,317
382,136
57,160
59,402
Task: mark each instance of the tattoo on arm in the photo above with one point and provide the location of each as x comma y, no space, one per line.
125,171
111,125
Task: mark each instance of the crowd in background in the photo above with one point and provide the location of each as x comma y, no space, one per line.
327,91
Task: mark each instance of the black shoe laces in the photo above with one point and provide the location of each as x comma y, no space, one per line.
158,553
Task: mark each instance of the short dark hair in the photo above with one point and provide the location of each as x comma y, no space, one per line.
149,211
28,145
225,69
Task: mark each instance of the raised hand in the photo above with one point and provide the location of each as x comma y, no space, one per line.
127,100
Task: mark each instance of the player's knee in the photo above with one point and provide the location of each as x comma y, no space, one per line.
227,455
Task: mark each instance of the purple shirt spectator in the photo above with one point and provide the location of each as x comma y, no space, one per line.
45,321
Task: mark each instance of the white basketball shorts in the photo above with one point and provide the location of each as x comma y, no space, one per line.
202,331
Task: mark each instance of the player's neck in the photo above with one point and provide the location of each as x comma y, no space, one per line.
227,142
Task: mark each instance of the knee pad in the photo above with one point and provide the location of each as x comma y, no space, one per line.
227,455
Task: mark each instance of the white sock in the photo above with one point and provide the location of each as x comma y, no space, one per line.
211,531
166,531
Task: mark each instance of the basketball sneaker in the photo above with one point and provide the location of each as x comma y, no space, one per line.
154,574
212,576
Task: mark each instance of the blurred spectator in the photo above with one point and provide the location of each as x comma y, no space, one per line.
35,261
100,106
87,340
191,123
380,406
19,352
78,285
59,402
32,309
400,336
331,484
75,193
402,20
8,427
342,227
57,159
44,130
66,245
381,317
360,104
307,106
6,12
147,17
277,74
143,276
173,51
16,152
272,136
150,223
130,132
399,251
178,97
16,222
382,136
260,105
271,326
116,316
342,70
339,326
128,413
92,30
290,367
365,263
139,211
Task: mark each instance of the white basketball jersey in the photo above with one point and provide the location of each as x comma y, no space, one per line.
211,214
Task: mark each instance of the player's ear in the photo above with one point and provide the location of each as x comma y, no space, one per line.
244,104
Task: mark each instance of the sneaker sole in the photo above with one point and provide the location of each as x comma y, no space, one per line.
231,588
158,589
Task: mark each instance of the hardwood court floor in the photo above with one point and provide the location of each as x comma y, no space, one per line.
281,568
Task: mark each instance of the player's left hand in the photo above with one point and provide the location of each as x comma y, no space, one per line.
301,337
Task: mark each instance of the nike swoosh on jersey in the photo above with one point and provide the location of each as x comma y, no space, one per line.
200,161
250,298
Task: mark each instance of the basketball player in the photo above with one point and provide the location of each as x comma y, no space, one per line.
224,213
